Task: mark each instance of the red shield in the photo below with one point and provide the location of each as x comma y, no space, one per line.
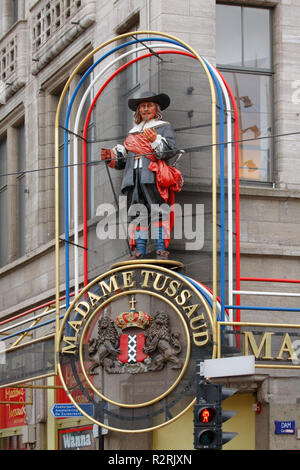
131,347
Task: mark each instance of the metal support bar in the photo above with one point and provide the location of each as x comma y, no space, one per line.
40,387
26,333
281,294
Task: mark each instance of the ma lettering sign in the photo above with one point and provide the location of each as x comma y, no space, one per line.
132,338
274,345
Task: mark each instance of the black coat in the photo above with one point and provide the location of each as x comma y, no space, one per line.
164,148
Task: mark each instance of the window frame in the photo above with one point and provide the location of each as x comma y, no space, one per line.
269,72
130,79
3,194
21,182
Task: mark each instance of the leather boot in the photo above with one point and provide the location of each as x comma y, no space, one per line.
137,254
162,254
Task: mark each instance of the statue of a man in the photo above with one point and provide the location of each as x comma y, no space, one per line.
149,144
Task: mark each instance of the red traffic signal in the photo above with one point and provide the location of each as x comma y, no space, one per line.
206,415
209,416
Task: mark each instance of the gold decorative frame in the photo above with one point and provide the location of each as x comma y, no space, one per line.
214,164
109,273
150,402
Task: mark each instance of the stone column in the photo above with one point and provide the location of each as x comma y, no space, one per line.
6,16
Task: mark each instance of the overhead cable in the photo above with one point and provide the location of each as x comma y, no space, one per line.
198,148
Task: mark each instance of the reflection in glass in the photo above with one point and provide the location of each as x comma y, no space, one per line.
3,163
61,170
3,203
21,188
256,23
253,98
243,37
229,35
3,232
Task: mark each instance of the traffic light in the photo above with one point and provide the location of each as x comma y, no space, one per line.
227,414
209,416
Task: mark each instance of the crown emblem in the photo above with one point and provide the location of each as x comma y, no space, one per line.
133,318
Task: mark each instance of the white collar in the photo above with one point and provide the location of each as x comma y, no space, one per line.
146,125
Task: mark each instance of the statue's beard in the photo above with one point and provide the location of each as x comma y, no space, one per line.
138,117
147,116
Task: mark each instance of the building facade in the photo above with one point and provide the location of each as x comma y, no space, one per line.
255,46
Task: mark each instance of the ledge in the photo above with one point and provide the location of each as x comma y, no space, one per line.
251,191
265,249
269,192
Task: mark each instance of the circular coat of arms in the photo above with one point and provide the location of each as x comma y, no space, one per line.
129,344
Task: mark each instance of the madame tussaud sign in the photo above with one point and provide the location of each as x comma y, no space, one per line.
131,339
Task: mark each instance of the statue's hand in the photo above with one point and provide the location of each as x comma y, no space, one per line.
150,134
105,154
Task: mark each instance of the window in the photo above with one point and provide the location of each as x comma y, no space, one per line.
91,134
63,114
3,202
244,56
21,190
12,443
12,190
130,77
15,13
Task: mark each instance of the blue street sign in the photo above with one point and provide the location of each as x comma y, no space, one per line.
284,427
68,410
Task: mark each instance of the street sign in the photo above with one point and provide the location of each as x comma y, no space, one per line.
284,427
68,410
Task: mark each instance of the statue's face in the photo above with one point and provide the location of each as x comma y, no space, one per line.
147,110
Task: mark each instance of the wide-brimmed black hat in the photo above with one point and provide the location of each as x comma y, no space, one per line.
161,99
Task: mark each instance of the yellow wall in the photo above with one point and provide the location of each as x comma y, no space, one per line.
243,422
179,435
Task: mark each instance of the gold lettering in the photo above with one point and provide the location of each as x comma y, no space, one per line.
158,277
94,298
76,325
82,312
265,342
197,319
15,412
190,309
71,342
14,393
183,296
113,285
286,346
200,335
127,279
146,275
172,288
199,338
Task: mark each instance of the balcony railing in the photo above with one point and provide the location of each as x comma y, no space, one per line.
13,60
55,24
